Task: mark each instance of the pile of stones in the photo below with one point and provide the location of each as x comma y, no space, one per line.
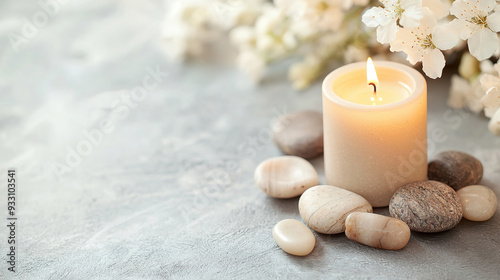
437,204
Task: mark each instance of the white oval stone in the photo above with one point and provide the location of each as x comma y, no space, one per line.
377,231
294,237
324,208
285,176
479,203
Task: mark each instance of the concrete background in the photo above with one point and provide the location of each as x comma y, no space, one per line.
166,190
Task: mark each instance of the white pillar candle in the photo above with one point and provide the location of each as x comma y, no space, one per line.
375,142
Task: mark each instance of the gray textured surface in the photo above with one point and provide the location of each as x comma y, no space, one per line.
169,193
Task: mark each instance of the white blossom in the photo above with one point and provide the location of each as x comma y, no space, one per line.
302,74
350,3
186,29
252,64
407,12
477,24
494,124
319,14
273,35
465,94
232,13
491,86
425,43
469,66
243,37
459,90
354,54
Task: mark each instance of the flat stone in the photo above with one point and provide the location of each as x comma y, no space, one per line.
456,169
285,176
377,231
426,206
479,203
300,134
324,208
294,237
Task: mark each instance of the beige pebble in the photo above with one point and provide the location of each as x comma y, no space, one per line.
479,203
294,237
377,231
324,208
285,176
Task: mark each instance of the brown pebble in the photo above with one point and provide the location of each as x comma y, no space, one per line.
427,206
456,169
300,134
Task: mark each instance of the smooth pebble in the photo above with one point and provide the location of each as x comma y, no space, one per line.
377,231
324,208
300,134
285,176
426,206
479,203
294,237
456,169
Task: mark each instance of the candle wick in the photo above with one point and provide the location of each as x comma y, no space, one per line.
374,88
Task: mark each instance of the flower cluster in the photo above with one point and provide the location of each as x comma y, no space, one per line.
423,29
317,35
477,87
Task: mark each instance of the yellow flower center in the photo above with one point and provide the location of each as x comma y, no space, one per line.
427,42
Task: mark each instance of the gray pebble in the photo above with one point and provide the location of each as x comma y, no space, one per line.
427,206
300,134
456,169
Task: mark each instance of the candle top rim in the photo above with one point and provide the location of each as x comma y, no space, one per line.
417,78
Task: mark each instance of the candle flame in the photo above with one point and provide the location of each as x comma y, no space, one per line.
371,74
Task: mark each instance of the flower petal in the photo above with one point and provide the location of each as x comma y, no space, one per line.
484,6
407,41
463,28
406,4
433,64
494,125
487,67
439,8
387,33
491,101
483,43
465,10
428,22
377,16
411,17
458,91
388,3
494,21
488,81
444,37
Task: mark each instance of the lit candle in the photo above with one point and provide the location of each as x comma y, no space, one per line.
375,128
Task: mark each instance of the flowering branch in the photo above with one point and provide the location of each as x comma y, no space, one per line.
320,33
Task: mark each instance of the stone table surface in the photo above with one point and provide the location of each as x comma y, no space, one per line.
120,182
